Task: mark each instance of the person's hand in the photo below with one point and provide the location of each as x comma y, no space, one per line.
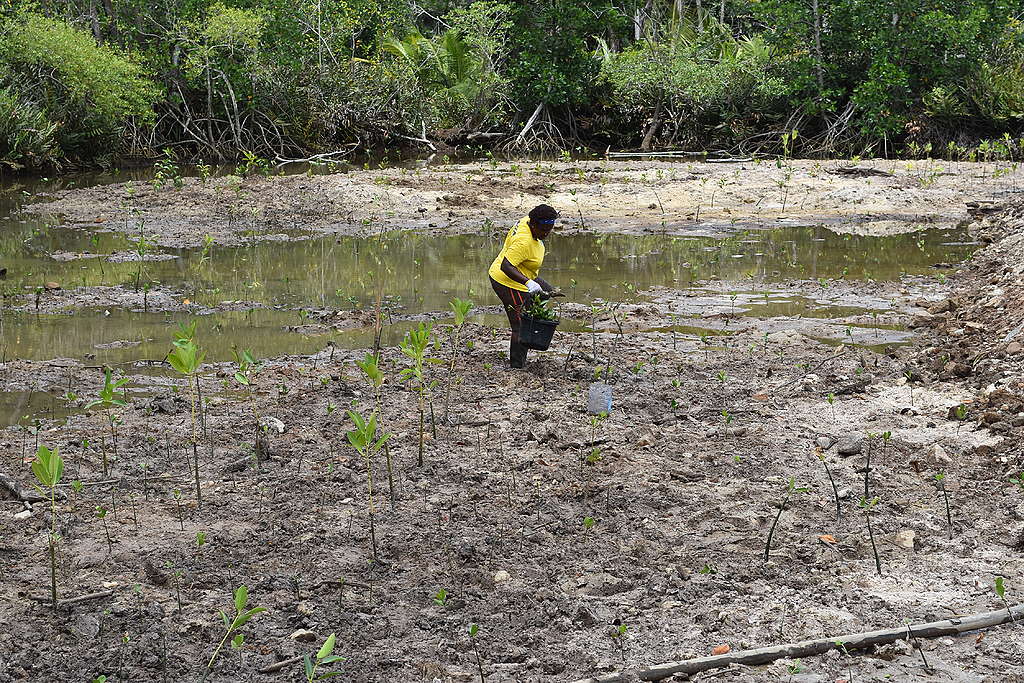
533,288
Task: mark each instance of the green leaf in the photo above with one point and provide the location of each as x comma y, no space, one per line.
329,674
241,379
307,664
327,648
330,659
237,641
241,598
224,616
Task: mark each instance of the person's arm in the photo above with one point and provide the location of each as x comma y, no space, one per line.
532,286
545,285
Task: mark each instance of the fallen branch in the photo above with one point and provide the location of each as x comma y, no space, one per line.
810,648
277,666
73,601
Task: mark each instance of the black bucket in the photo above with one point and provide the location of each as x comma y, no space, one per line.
536,334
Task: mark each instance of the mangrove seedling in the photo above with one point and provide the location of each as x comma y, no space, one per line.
48,468
1018,480
1001,592
186,358
831,480
867,506
323,656
101,512
940,480
618,631
540,309
364,439
177,499
961,415
370,365
441,598
415,347
474,629
108,400
831,398
248,371
242,615
791,488
461,309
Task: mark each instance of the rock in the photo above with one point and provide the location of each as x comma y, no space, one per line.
1014,347
24,514
1000,426
845,493
937,457
501,576
904,538
605,584
303,636
851,444
304,608
940,307
52,286
824,442
87,626
270,423
585,616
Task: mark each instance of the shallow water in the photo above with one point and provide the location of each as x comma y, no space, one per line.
256,295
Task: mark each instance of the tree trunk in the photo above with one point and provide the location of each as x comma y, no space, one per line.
817,47
652,129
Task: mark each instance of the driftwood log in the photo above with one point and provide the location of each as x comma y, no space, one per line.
810,648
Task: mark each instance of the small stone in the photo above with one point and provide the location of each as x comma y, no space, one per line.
905,538
24,514
303,636
501,576
850,444
1014,347
270,423
304,608
823,441
938,457
845,493
52,286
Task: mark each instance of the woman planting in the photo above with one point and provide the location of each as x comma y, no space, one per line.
514,272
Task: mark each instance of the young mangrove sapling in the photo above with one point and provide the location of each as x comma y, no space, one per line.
242,615
791,488
108,400
323,656
370,365
364,439
940,480
48,468
415,347
868,506
186,358
461,309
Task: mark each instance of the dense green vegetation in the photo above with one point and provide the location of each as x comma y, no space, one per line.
93,82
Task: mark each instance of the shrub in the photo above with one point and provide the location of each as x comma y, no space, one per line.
87,90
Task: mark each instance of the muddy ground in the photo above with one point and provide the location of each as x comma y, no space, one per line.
546,527
865,197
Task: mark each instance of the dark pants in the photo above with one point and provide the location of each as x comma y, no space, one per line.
514,301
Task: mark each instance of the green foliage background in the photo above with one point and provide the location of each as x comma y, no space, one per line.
86,82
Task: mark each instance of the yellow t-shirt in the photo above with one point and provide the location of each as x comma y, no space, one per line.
522,251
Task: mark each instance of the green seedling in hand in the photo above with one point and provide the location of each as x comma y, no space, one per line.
108,400
242,615
791,488
364,439
541,309
323,656
48,468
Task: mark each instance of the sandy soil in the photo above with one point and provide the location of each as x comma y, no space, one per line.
682,481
